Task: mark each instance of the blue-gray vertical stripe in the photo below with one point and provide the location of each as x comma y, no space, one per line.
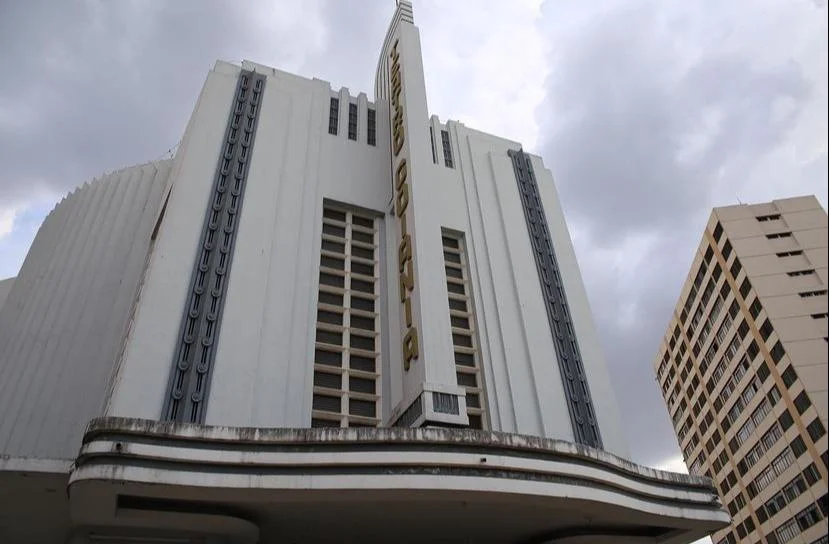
195,354
582,417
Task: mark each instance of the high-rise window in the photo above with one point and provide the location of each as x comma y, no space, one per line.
346,368
464,337
447,149
371,129
352,121
333,115
772,217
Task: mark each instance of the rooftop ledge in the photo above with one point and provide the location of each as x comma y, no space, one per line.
370,483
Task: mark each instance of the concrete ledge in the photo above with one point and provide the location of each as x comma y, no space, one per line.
510,487
35,464
205,435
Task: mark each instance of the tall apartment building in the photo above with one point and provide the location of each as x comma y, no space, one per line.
743,368
326,319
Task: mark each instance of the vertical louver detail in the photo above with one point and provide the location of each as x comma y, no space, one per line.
447,149
346,373
352,121
333,115
371,131
464,336
583,419
198,337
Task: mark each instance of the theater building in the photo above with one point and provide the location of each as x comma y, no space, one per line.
327,318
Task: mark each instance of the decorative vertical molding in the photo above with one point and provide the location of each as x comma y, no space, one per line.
579,405
198,335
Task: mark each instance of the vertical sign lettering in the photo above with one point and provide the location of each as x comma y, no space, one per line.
405,264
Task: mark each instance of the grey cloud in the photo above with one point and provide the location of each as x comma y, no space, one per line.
351,58
95,86
624,112
624,95
96,99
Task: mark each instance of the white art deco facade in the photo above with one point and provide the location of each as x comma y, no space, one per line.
325,319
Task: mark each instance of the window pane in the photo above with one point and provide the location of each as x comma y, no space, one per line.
362,221
324,316
326,403
465,359
363,253
331,262
333,230
462,340
334,299
456,288
460,322
364,304
362,268
365,237
358,362
330,337
467,380
332,381
322,423
332,280
361,385
334,247
338,215
363,408
362,286
458,305
365,323
328,358
361,342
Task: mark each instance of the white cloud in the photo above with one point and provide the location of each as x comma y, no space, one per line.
19,223
7,217
36,197
674,464
485,64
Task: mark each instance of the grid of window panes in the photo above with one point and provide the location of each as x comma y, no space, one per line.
346,354
721,395
464,338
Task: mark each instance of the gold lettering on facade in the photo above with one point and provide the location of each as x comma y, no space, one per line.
410,347
405,262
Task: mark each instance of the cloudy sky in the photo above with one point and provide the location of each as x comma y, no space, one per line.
649,112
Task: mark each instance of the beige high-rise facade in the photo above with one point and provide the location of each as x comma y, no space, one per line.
743,368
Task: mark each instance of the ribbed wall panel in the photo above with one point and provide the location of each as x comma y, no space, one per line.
38,276
127,267
48,326
62,318
38,331
5,287
62,324
105,233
